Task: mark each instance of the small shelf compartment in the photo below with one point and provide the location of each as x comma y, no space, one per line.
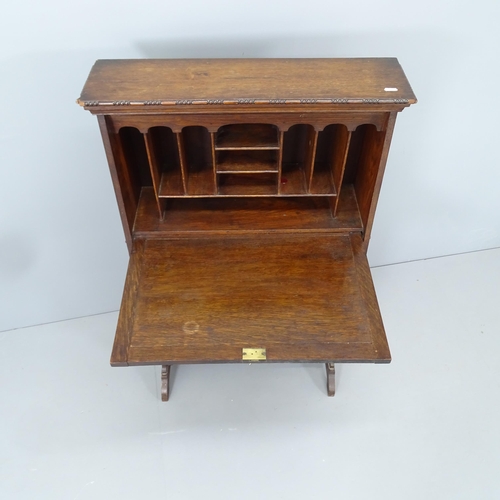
164,158
135,157
247,161
329,161
322,182
187,163
198,161
247,136
247,184
322,178
293,181
296,160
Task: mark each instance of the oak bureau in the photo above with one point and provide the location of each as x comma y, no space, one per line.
247,190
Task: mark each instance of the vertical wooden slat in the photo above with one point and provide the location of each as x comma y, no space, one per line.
182,159
312,142
280,158
341,140
155,170
120,175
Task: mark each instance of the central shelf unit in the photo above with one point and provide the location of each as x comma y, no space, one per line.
246,159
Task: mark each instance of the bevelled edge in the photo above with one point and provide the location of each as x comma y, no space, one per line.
121,344
208,102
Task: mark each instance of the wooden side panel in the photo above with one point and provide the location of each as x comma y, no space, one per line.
119,355
367,290
120,174
371,171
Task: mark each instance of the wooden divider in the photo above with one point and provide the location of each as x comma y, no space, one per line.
155,171
312,142
280,159
214,161
342,138
182,159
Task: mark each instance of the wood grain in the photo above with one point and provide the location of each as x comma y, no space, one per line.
192,216
248,184
274,292
247,136
322,180
173,82
171,184
246,161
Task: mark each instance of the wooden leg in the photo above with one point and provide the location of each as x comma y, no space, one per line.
330,378
165,379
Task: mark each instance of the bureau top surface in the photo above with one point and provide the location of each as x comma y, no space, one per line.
163,82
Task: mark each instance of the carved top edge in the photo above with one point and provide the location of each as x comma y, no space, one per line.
187,102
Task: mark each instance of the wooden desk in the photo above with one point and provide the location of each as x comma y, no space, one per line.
247,190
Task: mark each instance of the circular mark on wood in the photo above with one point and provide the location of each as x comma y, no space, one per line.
191,327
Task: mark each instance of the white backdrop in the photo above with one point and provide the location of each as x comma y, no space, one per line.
62,252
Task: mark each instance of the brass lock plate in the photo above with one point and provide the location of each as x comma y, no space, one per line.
254,354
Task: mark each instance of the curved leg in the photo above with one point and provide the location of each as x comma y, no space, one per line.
165,379
330,378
